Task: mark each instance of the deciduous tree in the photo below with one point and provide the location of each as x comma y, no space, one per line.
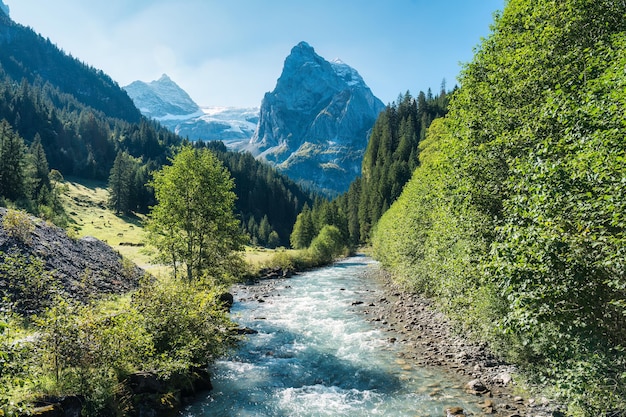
193,225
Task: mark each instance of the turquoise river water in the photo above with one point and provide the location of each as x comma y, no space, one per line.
317,354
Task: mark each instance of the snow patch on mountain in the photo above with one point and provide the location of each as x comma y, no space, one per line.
163,100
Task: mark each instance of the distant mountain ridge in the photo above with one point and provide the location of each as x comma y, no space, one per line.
315,125
28,56
162,98
164,101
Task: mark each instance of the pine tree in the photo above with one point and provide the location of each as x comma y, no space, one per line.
303,230
120,181
12,163
264,230
39,169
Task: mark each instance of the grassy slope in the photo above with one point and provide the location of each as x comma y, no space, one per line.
85,202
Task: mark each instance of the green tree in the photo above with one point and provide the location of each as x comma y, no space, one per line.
264,230
121,183
303,230
40,170
273,240
193,225
12,162
328,244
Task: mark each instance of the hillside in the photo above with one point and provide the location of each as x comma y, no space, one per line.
514,220
82,268
28,56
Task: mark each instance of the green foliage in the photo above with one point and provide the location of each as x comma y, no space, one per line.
262,193
127,185
327,245
169,326
28,289
15,358
12,163
187,324
193,222
515,216
303,230
389,160
18,225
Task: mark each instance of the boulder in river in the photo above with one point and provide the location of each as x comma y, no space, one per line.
476,386
454,412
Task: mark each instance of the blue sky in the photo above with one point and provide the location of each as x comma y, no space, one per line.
229,53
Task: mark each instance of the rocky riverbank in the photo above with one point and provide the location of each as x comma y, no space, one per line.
429,340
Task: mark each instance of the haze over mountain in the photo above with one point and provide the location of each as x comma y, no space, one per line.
315,125
164,101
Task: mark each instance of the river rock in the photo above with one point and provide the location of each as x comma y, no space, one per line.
503,378
454,412
227,300
245,330
476,386
146,383
69,406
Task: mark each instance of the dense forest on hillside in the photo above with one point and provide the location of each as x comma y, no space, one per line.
267,201
390,158
514,220
89,128
81,142
27,56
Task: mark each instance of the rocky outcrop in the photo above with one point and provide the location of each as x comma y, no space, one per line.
315,125
83,267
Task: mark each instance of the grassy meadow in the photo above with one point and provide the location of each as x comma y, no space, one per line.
86,204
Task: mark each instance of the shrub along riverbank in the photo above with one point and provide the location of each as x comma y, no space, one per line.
514,220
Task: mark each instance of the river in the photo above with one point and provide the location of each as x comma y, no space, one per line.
317,354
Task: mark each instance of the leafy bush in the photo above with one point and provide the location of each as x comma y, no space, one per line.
29,288
18,225
187,324
327,245
169,326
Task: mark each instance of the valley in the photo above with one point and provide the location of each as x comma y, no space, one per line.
150,246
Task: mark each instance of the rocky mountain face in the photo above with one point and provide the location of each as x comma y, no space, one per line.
315,125
82,268
161,99
164,101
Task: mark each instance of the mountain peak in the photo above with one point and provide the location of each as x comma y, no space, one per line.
315,124
164,78
303,46
162,98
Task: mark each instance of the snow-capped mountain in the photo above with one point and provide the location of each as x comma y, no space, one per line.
315,125
232,125
164,101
